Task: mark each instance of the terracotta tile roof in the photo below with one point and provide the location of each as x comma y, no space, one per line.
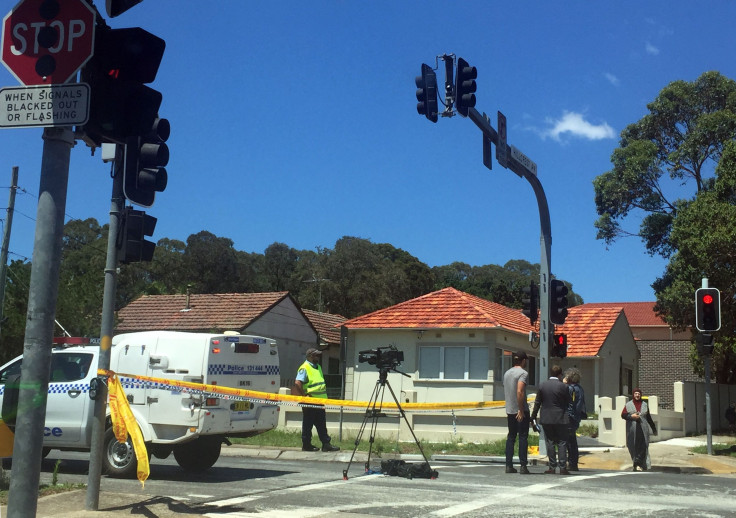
587,327
639,314
326,324
446,308
206,312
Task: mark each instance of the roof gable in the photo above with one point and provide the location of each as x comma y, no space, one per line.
200,312
446,308
587,327
326,324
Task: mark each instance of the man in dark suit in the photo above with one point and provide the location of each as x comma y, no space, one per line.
554,397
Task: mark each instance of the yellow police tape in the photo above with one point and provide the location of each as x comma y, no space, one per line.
269,397
124,424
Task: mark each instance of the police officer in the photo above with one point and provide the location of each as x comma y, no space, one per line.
310,382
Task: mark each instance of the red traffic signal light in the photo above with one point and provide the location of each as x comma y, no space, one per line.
559,346
707,309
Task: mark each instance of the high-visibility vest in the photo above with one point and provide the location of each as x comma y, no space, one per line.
315,385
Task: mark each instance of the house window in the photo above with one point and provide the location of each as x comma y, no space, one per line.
453,362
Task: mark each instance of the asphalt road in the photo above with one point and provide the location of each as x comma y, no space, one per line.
241,487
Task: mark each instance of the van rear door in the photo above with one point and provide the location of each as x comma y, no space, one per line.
243,362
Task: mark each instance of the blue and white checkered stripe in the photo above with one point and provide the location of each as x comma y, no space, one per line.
60,388
250,370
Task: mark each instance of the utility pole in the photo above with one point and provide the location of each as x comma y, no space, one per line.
6,240
42,295
117,205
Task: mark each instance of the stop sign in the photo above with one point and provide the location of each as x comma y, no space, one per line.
47,41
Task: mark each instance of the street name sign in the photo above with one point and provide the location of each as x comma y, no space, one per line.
526,162
46,41
44,105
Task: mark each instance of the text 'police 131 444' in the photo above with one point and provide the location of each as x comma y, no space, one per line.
45,105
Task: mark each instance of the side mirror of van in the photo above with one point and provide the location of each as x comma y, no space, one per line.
95,387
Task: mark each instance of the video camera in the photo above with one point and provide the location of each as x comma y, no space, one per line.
388,357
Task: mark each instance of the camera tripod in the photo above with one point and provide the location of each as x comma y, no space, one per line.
374,412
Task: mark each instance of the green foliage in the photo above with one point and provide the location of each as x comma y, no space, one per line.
676,169
681,138
355,277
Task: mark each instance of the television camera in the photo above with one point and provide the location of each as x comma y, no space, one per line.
388,357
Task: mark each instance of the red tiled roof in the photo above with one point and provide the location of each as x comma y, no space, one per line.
587,327
326,324
446,308
638,314
205,312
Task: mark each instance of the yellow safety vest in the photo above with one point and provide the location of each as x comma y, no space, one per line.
315,385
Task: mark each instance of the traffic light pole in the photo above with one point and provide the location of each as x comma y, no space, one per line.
42,295
117,205
546,329
706,361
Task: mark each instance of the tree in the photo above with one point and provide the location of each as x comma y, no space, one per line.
704,235
682,138
687,136
211,263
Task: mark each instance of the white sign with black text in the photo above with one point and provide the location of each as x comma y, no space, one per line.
44,105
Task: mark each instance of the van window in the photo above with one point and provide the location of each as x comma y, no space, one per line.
69,367
13,368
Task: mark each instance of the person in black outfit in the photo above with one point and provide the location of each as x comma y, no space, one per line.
554,397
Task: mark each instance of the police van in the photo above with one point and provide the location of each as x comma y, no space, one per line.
191,424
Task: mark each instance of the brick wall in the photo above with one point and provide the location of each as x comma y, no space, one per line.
661,363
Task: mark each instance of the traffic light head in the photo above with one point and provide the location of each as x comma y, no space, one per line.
427,93
131,244
559,346
121,105
531,293
704,343
144,172
465,87
707,309
558,302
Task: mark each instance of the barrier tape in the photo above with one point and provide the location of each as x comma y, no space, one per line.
289,400
124,424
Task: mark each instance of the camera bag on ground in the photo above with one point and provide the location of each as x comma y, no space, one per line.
400,468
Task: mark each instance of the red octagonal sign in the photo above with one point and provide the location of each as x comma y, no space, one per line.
47,41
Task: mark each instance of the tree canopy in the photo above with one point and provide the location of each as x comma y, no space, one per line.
354,277
676,169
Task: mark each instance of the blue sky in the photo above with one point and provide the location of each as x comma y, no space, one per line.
296,122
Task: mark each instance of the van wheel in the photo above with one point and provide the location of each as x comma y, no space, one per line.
118,459
200,454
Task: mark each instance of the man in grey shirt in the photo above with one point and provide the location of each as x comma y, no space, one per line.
517,411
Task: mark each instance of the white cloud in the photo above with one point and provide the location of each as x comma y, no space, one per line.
651,49
577,126
612,79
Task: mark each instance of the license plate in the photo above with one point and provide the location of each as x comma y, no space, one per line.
240,406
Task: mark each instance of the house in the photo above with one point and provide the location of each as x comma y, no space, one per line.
457,346
664,355
274,315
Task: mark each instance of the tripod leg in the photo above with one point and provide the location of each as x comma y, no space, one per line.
370,410
403,415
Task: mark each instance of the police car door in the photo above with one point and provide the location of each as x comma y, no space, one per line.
68,405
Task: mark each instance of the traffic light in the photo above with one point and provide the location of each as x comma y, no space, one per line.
121,105
465,87
707,309
131,244
531,293
427,93
559,346
144,173
704,343
558,302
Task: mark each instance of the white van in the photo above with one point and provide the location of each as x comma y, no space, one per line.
191,424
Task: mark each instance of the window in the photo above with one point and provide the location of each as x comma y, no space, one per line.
453,362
